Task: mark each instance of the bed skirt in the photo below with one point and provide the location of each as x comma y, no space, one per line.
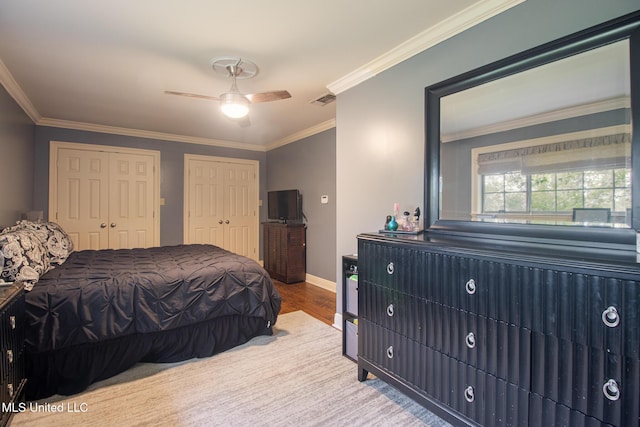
71,370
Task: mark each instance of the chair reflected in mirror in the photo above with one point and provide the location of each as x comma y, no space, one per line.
591,215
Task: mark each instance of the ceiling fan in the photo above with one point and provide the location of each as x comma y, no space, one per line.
233,103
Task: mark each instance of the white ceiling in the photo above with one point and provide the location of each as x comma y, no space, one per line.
104,66
593,81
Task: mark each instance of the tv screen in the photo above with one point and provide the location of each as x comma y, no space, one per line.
284,205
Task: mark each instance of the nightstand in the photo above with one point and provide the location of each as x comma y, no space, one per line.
12,366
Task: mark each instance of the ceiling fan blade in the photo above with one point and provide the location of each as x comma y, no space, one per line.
268,96
191,95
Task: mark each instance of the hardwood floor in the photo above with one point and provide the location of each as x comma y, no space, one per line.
311,299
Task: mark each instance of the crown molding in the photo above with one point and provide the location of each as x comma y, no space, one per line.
15,91
67,124
537,119
461,21
321,127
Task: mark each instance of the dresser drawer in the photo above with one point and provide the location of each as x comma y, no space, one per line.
12,367
393,310
391,351
495,347
579,377
482,397
477,395
591,310
547,413
390,267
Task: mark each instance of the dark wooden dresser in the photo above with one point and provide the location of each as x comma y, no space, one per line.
285,254
12,369
483,336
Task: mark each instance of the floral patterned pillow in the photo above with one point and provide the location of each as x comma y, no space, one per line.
56,241
23,256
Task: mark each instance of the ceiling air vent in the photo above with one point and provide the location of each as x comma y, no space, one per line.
323,100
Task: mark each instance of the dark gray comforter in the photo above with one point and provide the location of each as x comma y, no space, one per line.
100,295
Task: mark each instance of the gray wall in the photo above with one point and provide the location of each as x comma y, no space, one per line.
309,165
171,170
380,145
17,160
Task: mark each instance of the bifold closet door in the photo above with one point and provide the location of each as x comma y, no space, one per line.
105,200
221,206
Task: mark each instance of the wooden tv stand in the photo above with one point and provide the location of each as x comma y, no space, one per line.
285,257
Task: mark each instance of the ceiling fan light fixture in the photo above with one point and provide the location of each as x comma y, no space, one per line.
234,105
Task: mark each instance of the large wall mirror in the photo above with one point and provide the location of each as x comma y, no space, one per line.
543,144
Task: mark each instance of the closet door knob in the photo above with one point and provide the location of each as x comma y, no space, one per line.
113,225
219,221
103,225
226,222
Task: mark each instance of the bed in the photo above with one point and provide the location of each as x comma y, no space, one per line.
97,313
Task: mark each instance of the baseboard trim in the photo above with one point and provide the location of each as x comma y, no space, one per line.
321,283
337,321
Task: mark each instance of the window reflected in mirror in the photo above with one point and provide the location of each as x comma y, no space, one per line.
551,145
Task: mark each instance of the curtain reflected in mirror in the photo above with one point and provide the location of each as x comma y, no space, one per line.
539,146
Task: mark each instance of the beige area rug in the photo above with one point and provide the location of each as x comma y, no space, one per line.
297,377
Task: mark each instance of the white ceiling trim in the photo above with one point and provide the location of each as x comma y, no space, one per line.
463,20
66,124
16,92
551,116
321,127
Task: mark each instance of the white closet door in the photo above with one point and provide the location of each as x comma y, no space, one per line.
221,203
83,197
131,210
240,209
205,202
105,197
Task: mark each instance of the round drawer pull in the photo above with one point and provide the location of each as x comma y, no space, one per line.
611,390
390,310
390,352
610,317
10,356
469,394
12,322
390,268
470,340
471,286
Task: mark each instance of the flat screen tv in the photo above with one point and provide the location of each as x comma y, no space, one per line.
284,206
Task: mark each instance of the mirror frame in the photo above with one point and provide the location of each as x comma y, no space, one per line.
626,27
